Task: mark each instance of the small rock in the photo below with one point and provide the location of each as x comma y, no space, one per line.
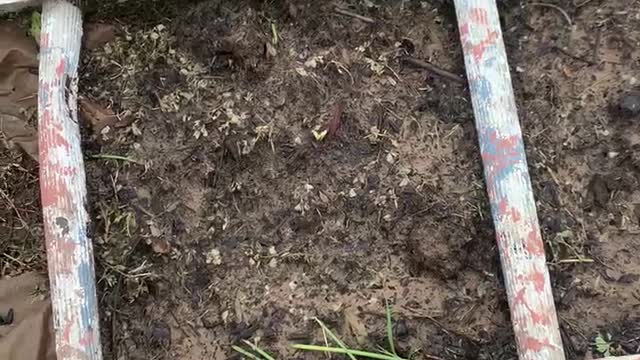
630,104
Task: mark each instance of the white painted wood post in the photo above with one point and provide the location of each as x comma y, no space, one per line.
63,188
522,254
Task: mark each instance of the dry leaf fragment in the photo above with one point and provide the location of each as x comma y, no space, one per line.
98,117
160,245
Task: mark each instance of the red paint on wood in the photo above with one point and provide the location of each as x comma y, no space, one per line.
60,68
534,244
479,16
535,345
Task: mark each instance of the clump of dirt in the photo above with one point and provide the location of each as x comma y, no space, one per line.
284,162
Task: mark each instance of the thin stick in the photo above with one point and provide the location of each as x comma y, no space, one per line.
585,2
574,57
14,259
353,15
574,261
434,69
116,157
13,206
596,46
559,9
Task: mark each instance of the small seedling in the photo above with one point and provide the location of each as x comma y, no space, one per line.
341,348
255,353
603,345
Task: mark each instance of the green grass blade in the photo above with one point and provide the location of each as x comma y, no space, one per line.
262,353
349,352
386,352
245,352
392,347
335,339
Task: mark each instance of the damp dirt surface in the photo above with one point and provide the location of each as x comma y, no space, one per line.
282,162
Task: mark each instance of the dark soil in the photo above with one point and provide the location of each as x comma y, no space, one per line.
237,222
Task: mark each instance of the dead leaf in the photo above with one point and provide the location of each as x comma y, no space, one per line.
96,35
160,245
18,132
99,117
355,326
18,87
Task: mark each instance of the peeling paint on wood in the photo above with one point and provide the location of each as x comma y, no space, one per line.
63,188
518,235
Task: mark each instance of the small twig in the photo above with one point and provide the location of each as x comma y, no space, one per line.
432,357
559,9
575,57
14,260
116,157
13,206
596,46
353,15
573,261
434,69
585,2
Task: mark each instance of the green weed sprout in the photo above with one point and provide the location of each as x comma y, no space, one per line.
340,347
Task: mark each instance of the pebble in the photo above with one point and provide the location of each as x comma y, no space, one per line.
630,104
